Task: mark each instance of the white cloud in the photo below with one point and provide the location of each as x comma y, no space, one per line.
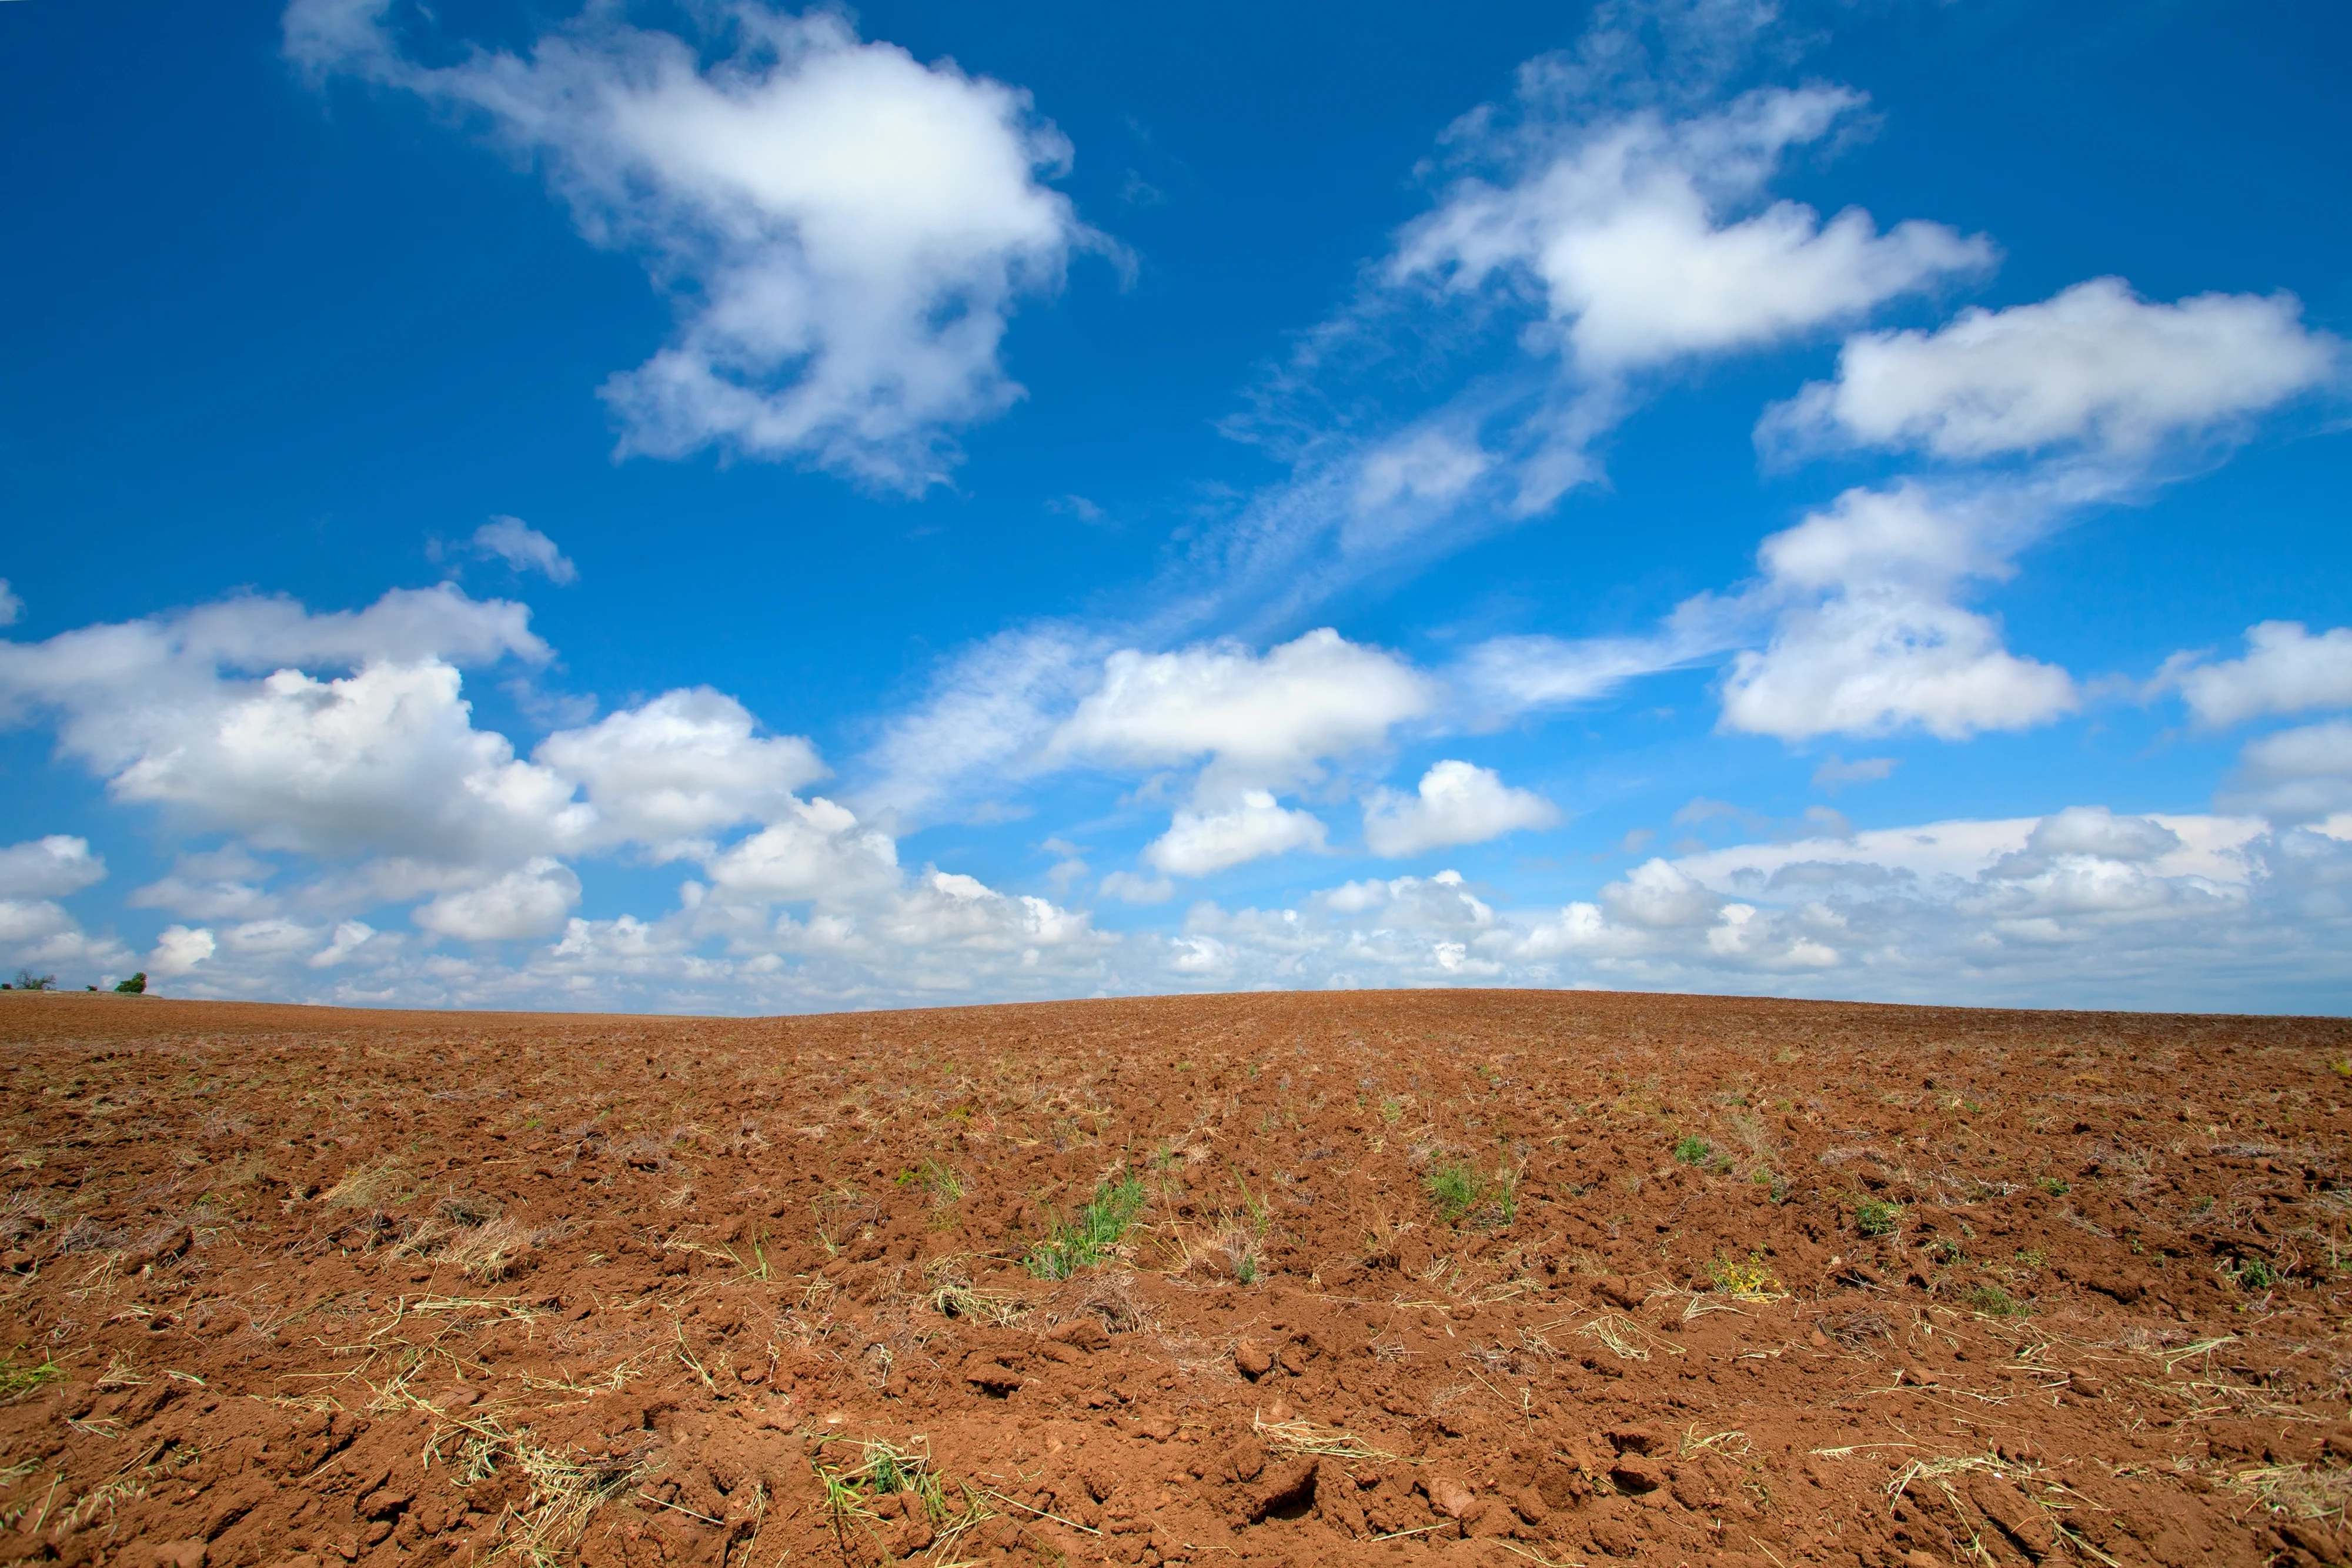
1130,888
684,764
350,936
2094,366
1643,241
1424,465
2085,906
1263,720
1632,237
382,762
530,901
1200,842
46,867
180,950
1835,772
844,231
2285,669
1608,227
2295,775
96,675
11,606
812,849
218,885
1867,639
1457,803
40,935
525,548
991,711
1508,675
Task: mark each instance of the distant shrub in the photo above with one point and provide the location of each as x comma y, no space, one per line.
135,985
29,981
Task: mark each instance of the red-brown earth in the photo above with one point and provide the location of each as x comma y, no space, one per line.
1426,1276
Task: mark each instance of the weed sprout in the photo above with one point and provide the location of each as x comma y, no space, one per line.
1693,1150
2254,1273
1876,1217
1453,1187
1087,1237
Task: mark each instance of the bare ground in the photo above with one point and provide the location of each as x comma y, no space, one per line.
1489,1277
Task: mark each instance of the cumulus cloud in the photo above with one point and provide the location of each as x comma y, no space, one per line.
1261,719
2295,775
525,548
532,901
844,230
812,849
1631,235
180,950
48,867
1197,842
685,764
383,761
2086,905
2285,669
218,885
1868,638
11,606
350,936
1643,241
1455,803
39,934
2094,366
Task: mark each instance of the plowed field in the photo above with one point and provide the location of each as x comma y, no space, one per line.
1391,1277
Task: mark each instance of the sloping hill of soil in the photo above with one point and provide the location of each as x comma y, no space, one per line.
1420,1277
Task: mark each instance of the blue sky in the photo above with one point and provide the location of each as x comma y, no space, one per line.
713,508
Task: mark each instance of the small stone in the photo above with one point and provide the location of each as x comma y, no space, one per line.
1252,1359
1449,1496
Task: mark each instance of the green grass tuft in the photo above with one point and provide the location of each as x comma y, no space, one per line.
2254,1273
1088,1237
15,1380
1462,1193
1453,1187
1876,1217
1693,1150
1992,1301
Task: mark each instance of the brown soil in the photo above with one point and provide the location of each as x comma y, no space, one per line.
1415,1277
